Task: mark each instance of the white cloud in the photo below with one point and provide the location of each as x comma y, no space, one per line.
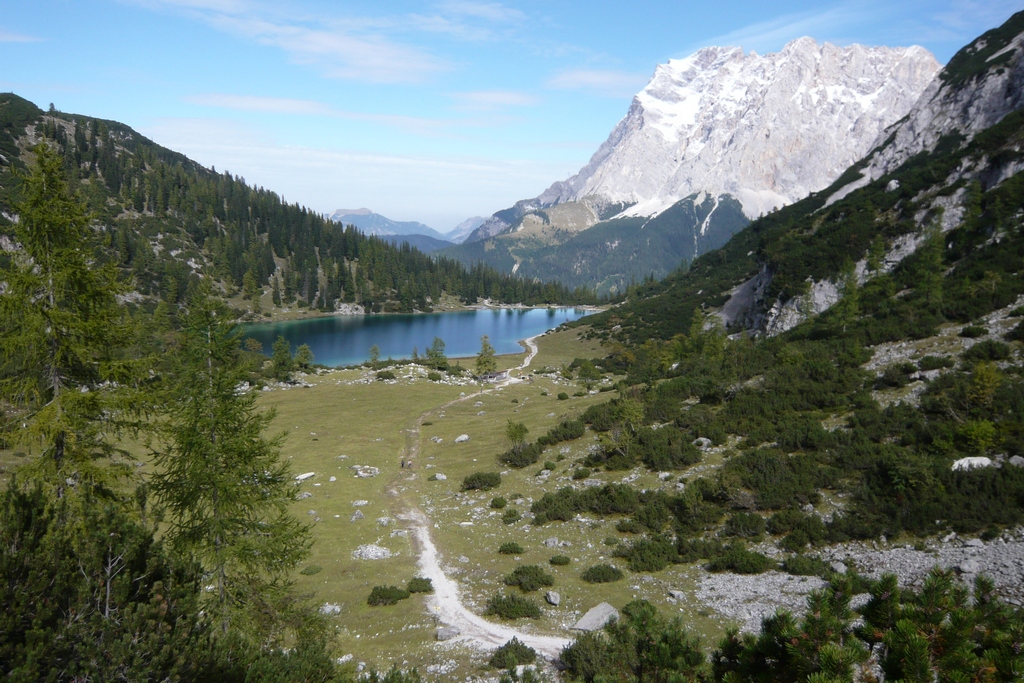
11,37
273,105
489,11
772,35
490,100
603,82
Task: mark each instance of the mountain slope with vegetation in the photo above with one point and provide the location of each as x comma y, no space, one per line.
165,220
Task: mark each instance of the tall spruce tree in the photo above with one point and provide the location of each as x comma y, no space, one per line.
485,361
60,326
221,479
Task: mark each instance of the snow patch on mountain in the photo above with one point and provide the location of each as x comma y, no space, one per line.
768,129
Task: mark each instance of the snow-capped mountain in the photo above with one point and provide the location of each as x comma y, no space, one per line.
767,130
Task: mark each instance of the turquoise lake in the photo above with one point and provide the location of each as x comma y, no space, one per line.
346,340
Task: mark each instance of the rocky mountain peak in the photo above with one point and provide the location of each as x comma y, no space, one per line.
767,129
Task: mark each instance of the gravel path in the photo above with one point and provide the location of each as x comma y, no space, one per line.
446,603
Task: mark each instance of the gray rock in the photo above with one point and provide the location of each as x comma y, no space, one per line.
553,598
357,515
551,543
304,495
808,508
677,595
975,543
440,477
596,618
839,567
462,438
949,537
447,633
969,567
463,559
1017,461
702,442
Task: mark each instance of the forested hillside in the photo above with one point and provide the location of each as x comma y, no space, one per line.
165,219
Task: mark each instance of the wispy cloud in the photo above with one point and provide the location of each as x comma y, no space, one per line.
610,83
773,34
488,11
11,37
491,100
445,127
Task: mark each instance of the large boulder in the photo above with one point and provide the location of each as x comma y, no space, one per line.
596,618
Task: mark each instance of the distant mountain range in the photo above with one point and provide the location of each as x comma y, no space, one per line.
418,235
711,142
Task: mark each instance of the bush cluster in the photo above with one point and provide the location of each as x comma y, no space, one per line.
420,585
559,560
386,595
510,548
512,607
512,654
529,577
601,573
481,481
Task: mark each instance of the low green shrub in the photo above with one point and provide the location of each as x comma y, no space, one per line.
559,560
988,350
311,569
549,465
512,607
385,374
511,516
510,548
529,577
481,481
562,396
523,457
512,654
601,573
386,595
741,561
935,363
567,430
629,526
973,331
434,376
806,565
1017,333
420,585
580,473
745,525
498,502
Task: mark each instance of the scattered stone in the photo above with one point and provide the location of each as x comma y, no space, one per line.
662,476
440,477
551,542
365,471
702,442
482,412
371,552
596,618
478,404
333,479
838,567
462,438
677,595
436,439
447,633
357,515
949,537
345,658
553,598
304,476
1017,461
360,503
330,608
892,185
304,495
383,521
463,559
975,543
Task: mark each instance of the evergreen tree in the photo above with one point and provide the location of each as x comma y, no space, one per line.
435,355
485,361
282,358
304,356
219,476
60,326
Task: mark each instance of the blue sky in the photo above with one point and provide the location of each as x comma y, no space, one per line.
429,111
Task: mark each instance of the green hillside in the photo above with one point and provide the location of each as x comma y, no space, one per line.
165,220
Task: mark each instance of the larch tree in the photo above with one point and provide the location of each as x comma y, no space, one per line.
221,479
485,361
60,330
